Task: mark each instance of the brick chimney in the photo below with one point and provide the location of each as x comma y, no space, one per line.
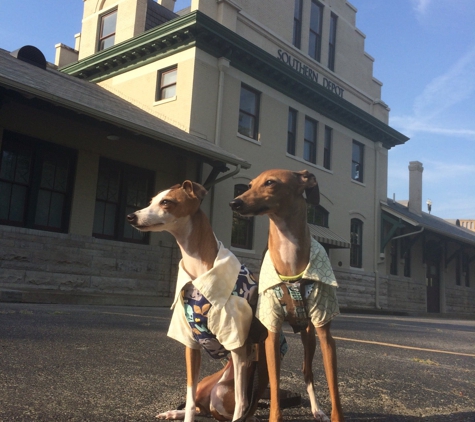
415,187
169,4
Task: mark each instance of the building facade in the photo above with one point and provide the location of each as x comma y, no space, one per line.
283,84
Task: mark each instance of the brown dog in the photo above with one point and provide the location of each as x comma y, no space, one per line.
292,254
207,278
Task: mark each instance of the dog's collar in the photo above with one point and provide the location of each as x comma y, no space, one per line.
291,278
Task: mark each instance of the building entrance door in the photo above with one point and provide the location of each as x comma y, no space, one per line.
433,278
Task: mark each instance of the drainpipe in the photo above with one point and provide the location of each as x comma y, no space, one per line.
377,222
407,234
223,65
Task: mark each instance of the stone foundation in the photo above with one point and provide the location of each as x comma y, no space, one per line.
53,267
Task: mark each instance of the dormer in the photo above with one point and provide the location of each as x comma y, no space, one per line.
109,22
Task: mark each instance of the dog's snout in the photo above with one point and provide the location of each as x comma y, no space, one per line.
132,218
236,204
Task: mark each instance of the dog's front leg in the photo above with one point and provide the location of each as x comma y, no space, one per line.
240,363
272,345
193,364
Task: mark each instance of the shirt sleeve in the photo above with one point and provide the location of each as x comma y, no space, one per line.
231,323
180,329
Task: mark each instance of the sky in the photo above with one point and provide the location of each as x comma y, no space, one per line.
424,53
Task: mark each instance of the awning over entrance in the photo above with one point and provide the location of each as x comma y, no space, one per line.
88,99
326,237
398,215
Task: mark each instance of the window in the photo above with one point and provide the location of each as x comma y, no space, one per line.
107,30
36,183
332,42
407,256
166,86
357,162
327,148
315,36
393,269
297,35
249,112
317,215
356,240
243,227
466,269
310,141
458,270
292,131
121,190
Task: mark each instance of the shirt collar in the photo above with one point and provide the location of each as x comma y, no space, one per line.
318,269
217,284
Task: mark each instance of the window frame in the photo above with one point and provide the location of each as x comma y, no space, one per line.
332,41
359,177
101,37
247,223
40,152
310,143
297,28
465,265
161,87
292,131
126,173
327,148
317,214
407,245
356,242
315,31
394,254
254,117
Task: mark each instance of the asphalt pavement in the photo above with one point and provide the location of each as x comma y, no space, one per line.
90,363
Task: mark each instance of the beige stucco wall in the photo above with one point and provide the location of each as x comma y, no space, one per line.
139,87
130,21
269,25
203,108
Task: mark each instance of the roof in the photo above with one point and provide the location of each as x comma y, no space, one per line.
429,222
92,100
198,30
325,236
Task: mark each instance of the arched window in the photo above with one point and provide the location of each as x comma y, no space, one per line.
243,227
317,215
356,240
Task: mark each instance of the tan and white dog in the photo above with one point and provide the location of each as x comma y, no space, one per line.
294,256
211,271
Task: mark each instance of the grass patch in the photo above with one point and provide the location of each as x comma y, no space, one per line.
425,361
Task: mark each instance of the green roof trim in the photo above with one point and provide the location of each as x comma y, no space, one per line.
198,30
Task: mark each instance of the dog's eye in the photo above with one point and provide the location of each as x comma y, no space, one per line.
165,202
269,183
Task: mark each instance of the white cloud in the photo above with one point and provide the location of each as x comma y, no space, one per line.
421,6
410,126
448,89
448,171
440,95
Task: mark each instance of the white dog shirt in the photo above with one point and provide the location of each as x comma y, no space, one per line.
229,317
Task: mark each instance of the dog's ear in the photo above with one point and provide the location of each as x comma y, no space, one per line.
309,184
195,190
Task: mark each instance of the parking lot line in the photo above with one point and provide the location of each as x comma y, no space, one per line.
399,346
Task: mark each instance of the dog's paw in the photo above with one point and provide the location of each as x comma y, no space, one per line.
172,414
320,416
